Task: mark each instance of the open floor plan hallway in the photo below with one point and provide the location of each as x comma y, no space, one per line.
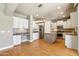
40,48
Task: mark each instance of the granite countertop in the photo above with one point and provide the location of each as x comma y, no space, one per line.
71,34
17,31
20,33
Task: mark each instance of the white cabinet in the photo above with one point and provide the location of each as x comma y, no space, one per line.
74,18
15,22
54,25
35,26
71,41
59,23
68,24
72,22
16,39
20,23
64,24
35,36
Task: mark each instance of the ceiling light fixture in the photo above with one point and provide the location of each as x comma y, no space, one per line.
40,5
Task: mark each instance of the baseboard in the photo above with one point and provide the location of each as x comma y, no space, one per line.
28,40
24,41
31,40
16,44
4,48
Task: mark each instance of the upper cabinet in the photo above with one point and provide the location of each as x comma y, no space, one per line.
54,25
69,23
64,24
72,22
35,26
20,23
74,19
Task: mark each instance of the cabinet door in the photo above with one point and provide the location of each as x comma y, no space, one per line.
20,22
15,22
68,41
16,39
35,36
74,17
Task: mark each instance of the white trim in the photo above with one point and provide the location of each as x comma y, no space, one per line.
17,44
31,40
24,41
28,40
4,48
78,28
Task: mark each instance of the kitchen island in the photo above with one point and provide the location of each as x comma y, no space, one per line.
50,37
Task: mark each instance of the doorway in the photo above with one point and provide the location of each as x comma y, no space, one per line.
41,31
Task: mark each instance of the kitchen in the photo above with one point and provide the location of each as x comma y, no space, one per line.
30,30
39,24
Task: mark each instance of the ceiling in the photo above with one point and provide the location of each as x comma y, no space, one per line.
47,10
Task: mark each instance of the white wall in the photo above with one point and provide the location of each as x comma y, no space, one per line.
64,24
2,7
5,30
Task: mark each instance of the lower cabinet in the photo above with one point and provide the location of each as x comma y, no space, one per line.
25,37
35,36
16,39
71,41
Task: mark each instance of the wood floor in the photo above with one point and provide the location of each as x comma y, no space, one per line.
40,48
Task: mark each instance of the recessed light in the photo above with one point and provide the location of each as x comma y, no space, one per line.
58,7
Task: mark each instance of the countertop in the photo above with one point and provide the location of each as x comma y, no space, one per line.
71,34
20,33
